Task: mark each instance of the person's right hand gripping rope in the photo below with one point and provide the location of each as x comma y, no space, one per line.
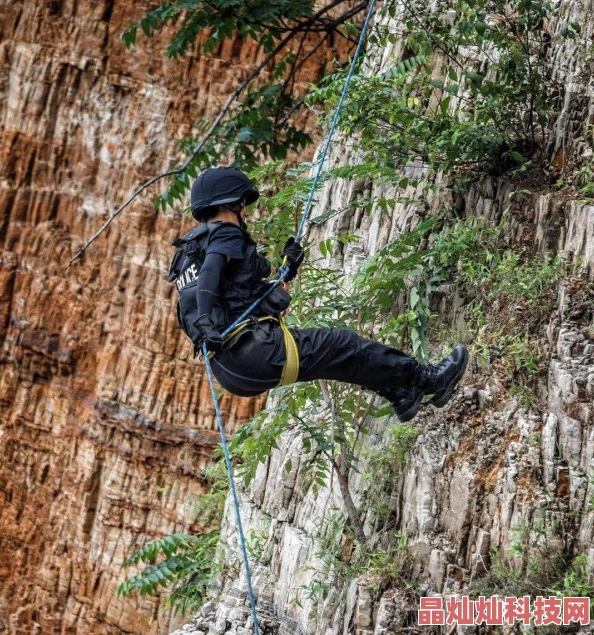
294,253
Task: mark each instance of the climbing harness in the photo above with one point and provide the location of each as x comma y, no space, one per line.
291,368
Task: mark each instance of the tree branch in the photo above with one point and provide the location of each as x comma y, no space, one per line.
230,100
233,97
352,512
431,36
342,470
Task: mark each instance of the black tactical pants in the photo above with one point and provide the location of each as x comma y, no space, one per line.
251,363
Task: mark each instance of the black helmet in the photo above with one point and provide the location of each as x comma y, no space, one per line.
218,186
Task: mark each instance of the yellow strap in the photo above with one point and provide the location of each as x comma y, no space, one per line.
291,367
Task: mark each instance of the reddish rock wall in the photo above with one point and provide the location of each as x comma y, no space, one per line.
101,404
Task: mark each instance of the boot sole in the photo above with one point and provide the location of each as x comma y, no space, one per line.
440,399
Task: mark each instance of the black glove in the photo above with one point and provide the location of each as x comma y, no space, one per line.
208,333
295,254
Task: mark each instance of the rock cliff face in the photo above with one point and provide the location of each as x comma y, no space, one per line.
105,418
485,466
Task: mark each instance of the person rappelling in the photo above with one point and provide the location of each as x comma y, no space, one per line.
219,273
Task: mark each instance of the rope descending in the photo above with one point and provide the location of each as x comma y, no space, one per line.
283,271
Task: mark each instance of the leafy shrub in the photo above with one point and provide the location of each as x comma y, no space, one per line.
472,93
186,568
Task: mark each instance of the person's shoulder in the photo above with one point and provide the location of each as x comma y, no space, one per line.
227,239
225,230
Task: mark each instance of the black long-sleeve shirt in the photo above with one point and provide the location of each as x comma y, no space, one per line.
227,243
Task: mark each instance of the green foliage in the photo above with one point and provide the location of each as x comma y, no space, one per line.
382,468
531,564
538,562
399,267
256,127
256,541
254,442
283,191
339,559
332,554
509,293
584,178
391,275
267,122
401,439
256,20
327,430
577,581
330,426
208,508
186,568
454,115
386,564
461,121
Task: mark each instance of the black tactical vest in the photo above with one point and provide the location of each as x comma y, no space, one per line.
242,281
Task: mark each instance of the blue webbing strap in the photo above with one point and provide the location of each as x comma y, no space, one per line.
283,271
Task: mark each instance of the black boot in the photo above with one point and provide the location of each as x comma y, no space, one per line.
440,380
405,399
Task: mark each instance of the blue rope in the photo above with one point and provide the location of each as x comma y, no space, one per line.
283,271
244,554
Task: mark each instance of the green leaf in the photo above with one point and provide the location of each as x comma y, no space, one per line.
145,25
414,297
